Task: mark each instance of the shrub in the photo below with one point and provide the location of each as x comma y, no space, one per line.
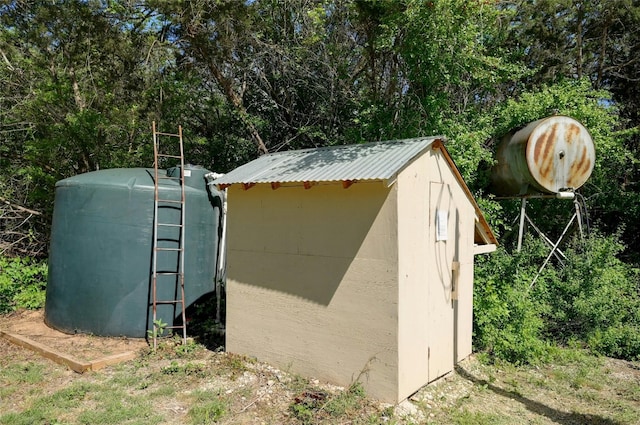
593,301
508,321
22,283
597,299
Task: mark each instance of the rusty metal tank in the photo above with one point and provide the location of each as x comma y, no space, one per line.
548,156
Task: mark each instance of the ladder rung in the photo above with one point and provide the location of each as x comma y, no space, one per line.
175,327
170,201
169,273
169,178
168,249
167,134
166,155
169,225
169,302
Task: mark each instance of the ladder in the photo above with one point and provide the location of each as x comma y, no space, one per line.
167,278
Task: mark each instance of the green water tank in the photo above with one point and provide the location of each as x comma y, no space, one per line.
100,258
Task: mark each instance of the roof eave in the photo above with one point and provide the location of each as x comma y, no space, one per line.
482,226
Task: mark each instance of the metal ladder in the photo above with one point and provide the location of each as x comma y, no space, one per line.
168,237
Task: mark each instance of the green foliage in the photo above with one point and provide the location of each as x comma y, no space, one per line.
209,409
158,330
22,283
431,65
593,301
187,369
596,299
508,323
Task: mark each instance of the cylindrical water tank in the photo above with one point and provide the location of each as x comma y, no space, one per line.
548,156
101,250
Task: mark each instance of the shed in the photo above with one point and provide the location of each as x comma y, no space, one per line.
354,263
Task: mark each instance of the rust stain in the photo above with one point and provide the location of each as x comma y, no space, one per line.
548,160
577,165
587,162
578,172
539,144
587,167
573,133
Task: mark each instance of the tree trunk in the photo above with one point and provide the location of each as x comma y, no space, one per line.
227,87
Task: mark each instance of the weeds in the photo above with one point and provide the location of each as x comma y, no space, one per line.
209,407
314,405
187,369
22,373
22,283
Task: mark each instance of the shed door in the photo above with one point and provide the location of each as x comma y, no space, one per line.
443,235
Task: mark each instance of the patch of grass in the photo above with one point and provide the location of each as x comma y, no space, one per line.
233,365
346,402
580,388
67,397
209,407
466,417
22,373
622,411
48,409
631,391
163,391
111,407
29,417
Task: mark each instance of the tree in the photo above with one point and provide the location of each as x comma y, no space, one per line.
74,94
283,68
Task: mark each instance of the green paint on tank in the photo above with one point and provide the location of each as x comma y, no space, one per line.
101,249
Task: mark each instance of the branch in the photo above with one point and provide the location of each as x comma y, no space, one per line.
19,207
6,59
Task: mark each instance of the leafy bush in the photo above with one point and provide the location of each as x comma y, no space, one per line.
597,299
508,321
22,283
593,301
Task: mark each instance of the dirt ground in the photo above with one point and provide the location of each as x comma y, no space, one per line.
577,388
85,348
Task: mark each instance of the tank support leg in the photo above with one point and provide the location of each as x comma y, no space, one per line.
523,214
579,215
553,250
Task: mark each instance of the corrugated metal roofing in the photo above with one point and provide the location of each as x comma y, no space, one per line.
369,161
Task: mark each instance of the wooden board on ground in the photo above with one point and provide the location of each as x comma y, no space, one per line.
79,352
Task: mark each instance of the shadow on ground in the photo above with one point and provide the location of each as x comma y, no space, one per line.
557,416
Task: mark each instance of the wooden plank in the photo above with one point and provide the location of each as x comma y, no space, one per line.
49,353
64,359
109,360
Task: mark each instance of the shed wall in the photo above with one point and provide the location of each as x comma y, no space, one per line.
434,329
312,281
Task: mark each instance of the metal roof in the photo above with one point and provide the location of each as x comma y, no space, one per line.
369,161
